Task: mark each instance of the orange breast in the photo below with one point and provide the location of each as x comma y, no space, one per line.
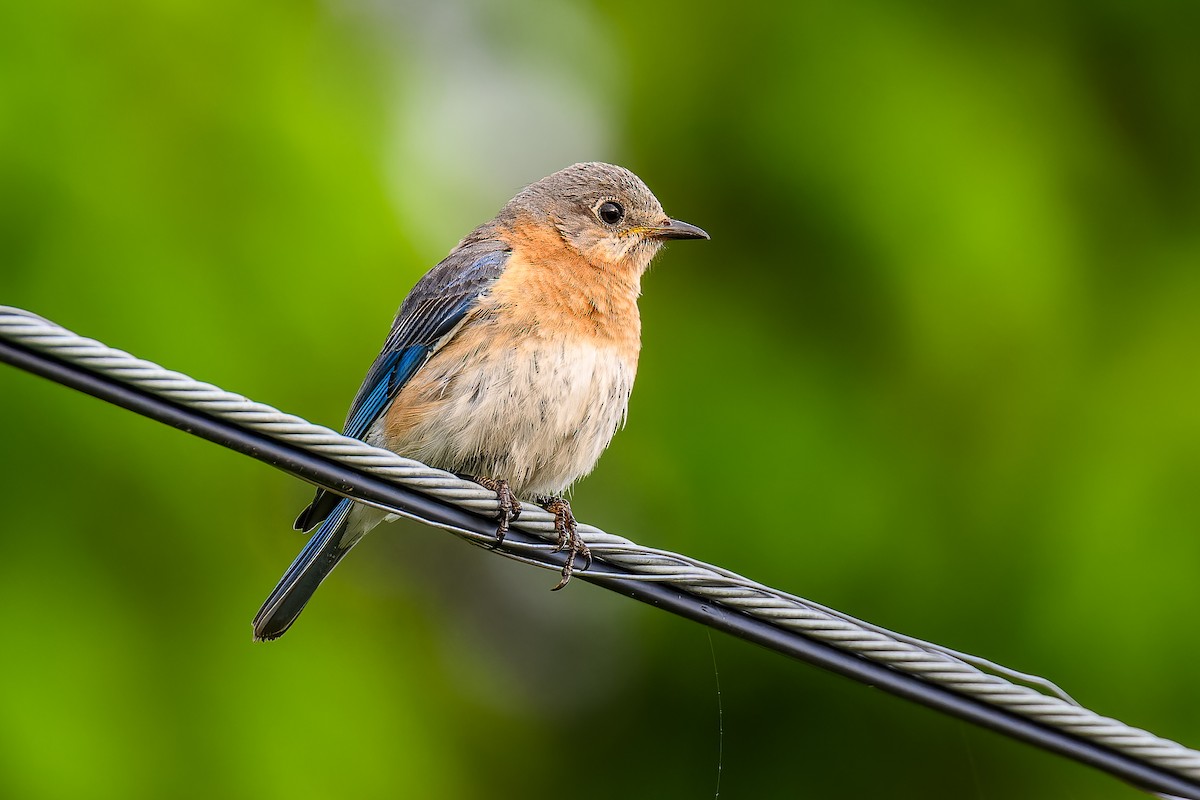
548,289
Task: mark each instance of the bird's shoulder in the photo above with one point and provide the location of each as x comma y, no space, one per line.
464,274
435,306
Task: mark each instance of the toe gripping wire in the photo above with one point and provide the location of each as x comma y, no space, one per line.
1021,706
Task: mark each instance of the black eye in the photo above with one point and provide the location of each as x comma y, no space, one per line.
611,213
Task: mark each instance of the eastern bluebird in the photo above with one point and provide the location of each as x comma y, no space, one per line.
510,363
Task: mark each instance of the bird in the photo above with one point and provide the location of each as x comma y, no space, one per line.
510,363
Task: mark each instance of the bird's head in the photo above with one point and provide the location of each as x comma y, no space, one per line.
606,213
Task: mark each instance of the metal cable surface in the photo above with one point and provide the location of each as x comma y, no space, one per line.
713,584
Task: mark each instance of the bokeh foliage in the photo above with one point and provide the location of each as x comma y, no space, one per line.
938,367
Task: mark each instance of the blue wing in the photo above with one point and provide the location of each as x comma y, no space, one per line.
438,302
429,314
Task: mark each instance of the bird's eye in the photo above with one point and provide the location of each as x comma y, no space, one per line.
611,213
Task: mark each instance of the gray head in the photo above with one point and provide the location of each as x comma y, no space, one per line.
603,211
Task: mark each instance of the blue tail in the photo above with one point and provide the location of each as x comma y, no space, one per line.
318,558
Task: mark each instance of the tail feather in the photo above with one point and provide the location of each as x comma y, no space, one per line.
321,507
318,558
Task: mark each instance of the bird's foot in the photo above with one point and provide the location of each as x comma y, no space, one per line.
568,536
510,506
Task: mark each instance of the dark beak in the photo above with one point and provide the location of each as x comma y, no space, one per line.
675,229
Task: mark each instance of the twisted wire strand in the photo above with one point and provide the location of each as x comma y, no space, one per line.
964,674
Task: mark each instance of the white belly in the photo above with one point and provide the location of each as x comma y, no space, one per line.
538,415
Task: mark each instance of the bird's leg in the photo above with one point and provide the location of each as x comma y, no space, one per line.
510,506
568,536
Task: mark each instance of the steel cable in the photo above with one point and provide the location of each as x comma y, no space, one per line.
961,674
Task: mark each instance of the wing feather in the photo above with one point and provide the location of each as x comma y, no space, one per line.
439,301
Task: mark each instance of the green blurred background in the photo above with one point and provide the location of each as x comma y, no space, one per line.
937,368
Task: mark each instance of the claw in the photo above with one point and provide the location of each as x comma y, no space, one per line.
509,510
568,537
567,530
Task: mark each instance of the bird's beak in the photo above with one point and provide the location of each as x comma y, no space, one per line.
676,229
